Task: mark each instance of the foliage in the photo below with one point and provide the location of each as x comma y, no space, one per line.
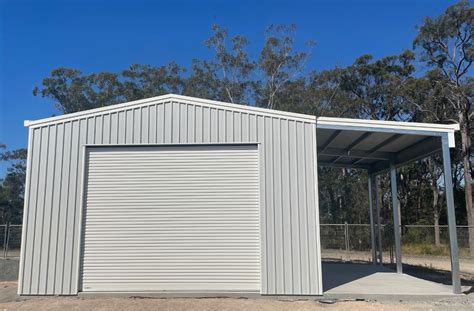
279,65
12,186
446,44
234,64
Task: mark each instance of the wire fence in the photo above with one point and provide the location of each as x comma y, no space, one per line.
10,239
348,242
338,241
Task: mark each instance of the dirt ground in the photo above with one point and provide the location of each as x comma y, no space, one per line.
10,301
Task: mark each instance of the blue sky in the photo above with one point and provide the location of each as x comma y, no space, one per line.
93,36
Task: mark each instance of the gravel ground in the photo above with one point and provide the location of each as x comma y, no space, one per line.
8,269
10,301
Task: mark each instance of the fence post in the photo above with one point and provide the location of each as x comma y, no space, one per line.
5,240
372,223
346,239
379,221
8,239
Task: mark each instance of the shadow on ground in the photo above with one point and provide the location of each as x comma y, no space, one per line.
336,274
9,269
425,273
438,276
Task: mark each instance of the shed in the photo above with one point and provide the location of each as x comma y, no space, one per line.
180,194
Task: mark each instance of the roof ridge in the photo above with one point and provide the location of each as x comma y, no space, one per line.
166,97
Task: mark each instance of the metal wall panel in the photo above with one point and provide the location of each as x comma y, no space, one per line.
290,241
171,218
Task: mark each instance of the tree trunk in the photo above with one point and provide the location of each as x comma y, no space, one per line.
436,227
466,153
418,200
436,205
436,213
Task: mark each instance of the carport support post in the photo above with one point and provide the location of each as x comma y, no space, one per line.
396,218
379,227
453,239
371,217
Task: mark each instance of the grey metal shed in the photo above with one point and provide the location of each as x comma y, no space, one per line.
182,194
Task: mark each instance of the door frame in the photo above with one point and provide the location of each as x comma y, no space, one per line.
82,192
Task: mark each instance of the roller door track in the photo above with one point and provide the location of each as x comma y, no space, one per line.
171,219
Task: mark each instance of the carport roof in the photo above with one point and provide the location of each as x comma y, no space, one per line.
352,143
375,145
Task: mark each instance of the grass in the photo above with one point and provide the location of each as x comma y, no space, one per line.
430,249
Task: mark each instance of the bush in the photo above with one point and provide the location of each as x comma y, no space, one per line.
425,249
431,249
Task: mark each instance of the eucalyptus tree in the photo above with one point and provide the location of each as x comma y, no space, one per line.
144,81
204,82
279,64
374,86
12,185
73,91
428,98
232,62
327,97
446,44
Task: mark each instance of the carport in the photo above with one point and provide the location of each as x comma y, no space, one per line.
384,146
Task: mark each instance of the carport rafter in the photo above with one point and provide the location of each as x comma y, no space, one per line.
330,140
343,165
358,154
414,152
353,145
377,147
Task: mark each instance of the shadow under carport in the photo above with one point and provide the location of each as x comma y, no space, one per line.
367,280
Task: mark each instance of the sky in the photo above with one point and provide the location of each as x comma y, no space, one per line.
93,36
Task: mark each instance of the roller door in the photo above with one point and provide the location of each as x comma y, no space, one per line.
171,219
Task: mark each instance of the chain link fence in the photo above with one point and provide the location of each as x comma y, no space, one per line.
345,242
421,244
10,240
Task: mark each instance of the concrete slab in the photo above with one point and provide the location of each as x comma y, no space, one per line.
365,281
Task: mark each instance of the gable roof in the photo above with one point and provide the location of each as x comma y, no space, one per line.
170,98
321,122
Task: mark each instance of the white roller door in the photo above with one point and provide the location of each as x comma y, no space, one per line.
171,219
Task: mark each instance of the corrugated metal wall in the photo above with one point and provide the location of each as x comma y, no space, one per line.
289,214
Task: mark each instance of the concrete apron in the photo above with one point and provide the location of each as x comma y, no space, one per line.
366,281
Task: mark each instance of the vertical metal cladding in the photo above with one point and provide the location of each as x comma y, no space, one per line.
290,255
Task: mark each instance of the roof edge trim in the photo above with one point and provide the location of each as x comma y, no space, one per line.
395,127
170,97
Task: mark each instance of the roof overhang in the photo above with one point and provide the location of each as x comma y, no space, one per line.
376,145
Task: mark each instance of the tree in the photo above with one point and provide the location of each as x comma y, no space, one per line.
72,91
446,43
12,186
204,81
327,97
375,87
278,64
144,81
234,64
